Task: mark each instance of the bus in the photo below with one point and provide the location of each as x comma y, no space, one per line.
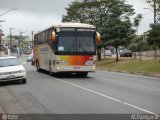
66,47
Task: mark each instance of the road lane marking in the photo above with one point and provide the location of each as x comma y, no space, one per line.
106,96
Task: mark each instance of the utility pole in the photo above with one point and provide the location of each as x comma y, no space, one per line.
0,41
10,38
155,21
1,34
21,42
155,11
32,39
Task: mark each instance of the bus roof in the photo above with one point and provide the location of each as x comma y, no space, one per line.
76,25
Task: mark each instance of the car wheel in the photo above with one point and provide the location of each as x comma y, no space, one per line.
24,81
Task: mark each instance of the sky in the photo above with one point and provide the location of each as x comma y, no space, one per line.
35,15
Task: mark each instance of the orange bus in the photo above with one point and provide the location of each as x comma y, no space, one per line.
66,47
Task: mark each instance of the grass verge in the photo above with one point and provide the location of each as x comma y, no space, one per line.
130,65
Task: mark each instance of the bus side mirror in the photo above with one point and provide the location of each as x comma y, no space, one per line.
53,37
98,38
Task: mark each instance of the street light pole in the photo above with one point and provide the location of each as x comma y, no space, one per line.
155,11
1,34
0,40
21,42
10,38
9,11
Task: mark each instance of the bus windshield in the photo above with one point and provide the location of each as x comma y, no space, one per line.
78,42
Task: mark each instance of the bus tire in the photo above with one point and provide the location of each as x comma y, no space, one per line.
50,71
24,81
38,68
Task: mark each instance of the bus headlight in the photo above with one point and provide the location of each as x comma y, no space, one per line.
58,68
94,67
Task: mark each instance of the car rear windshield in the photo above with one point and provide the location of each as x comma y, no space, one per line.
9,62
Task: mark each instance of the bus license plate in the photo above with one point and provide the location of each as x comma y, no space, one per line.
76,68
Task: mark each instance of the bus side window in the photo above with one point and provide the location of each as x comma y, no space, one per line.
45,37
48,36
50,33
39,39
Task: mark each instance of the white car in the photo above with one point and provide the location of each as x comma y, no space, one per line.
108,53
11,69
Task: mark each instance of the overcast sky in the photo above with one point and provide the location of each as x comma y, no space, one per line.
34,15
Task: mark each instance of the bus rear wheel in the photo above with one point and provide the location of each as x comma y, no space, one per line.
82,74
38,68
50,71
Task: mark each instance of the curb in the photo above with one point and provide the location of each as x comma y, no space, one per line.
150,75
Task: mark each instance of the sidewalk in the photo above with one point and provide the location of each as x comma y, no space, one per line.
155,75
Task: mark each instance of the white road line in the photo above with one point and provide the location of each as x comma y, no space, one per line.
106,96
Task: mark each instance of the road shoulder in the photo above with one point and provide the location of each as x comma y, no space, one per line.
8,103
151,75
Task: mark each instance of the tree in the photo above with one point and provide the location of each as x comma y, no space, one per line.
154,36
137,21
111,18
154,39
138,45
156,6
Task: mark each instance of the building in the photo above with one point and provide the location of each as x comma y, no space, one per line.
145,35
24,44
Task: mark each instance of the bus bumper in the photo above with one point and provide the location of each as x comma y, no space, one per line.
74,69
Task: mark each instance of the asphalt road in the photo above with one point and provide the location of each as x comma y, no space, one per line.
101,92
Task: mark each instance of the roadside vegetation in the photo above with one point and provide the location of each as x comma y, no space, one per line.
114,20
117,23
147,66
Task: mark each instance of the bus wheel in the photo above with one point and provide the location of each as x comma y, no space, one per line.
82,74
38,68
50,71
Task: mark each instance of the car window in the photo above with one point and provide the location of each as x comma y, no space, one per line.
9,62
